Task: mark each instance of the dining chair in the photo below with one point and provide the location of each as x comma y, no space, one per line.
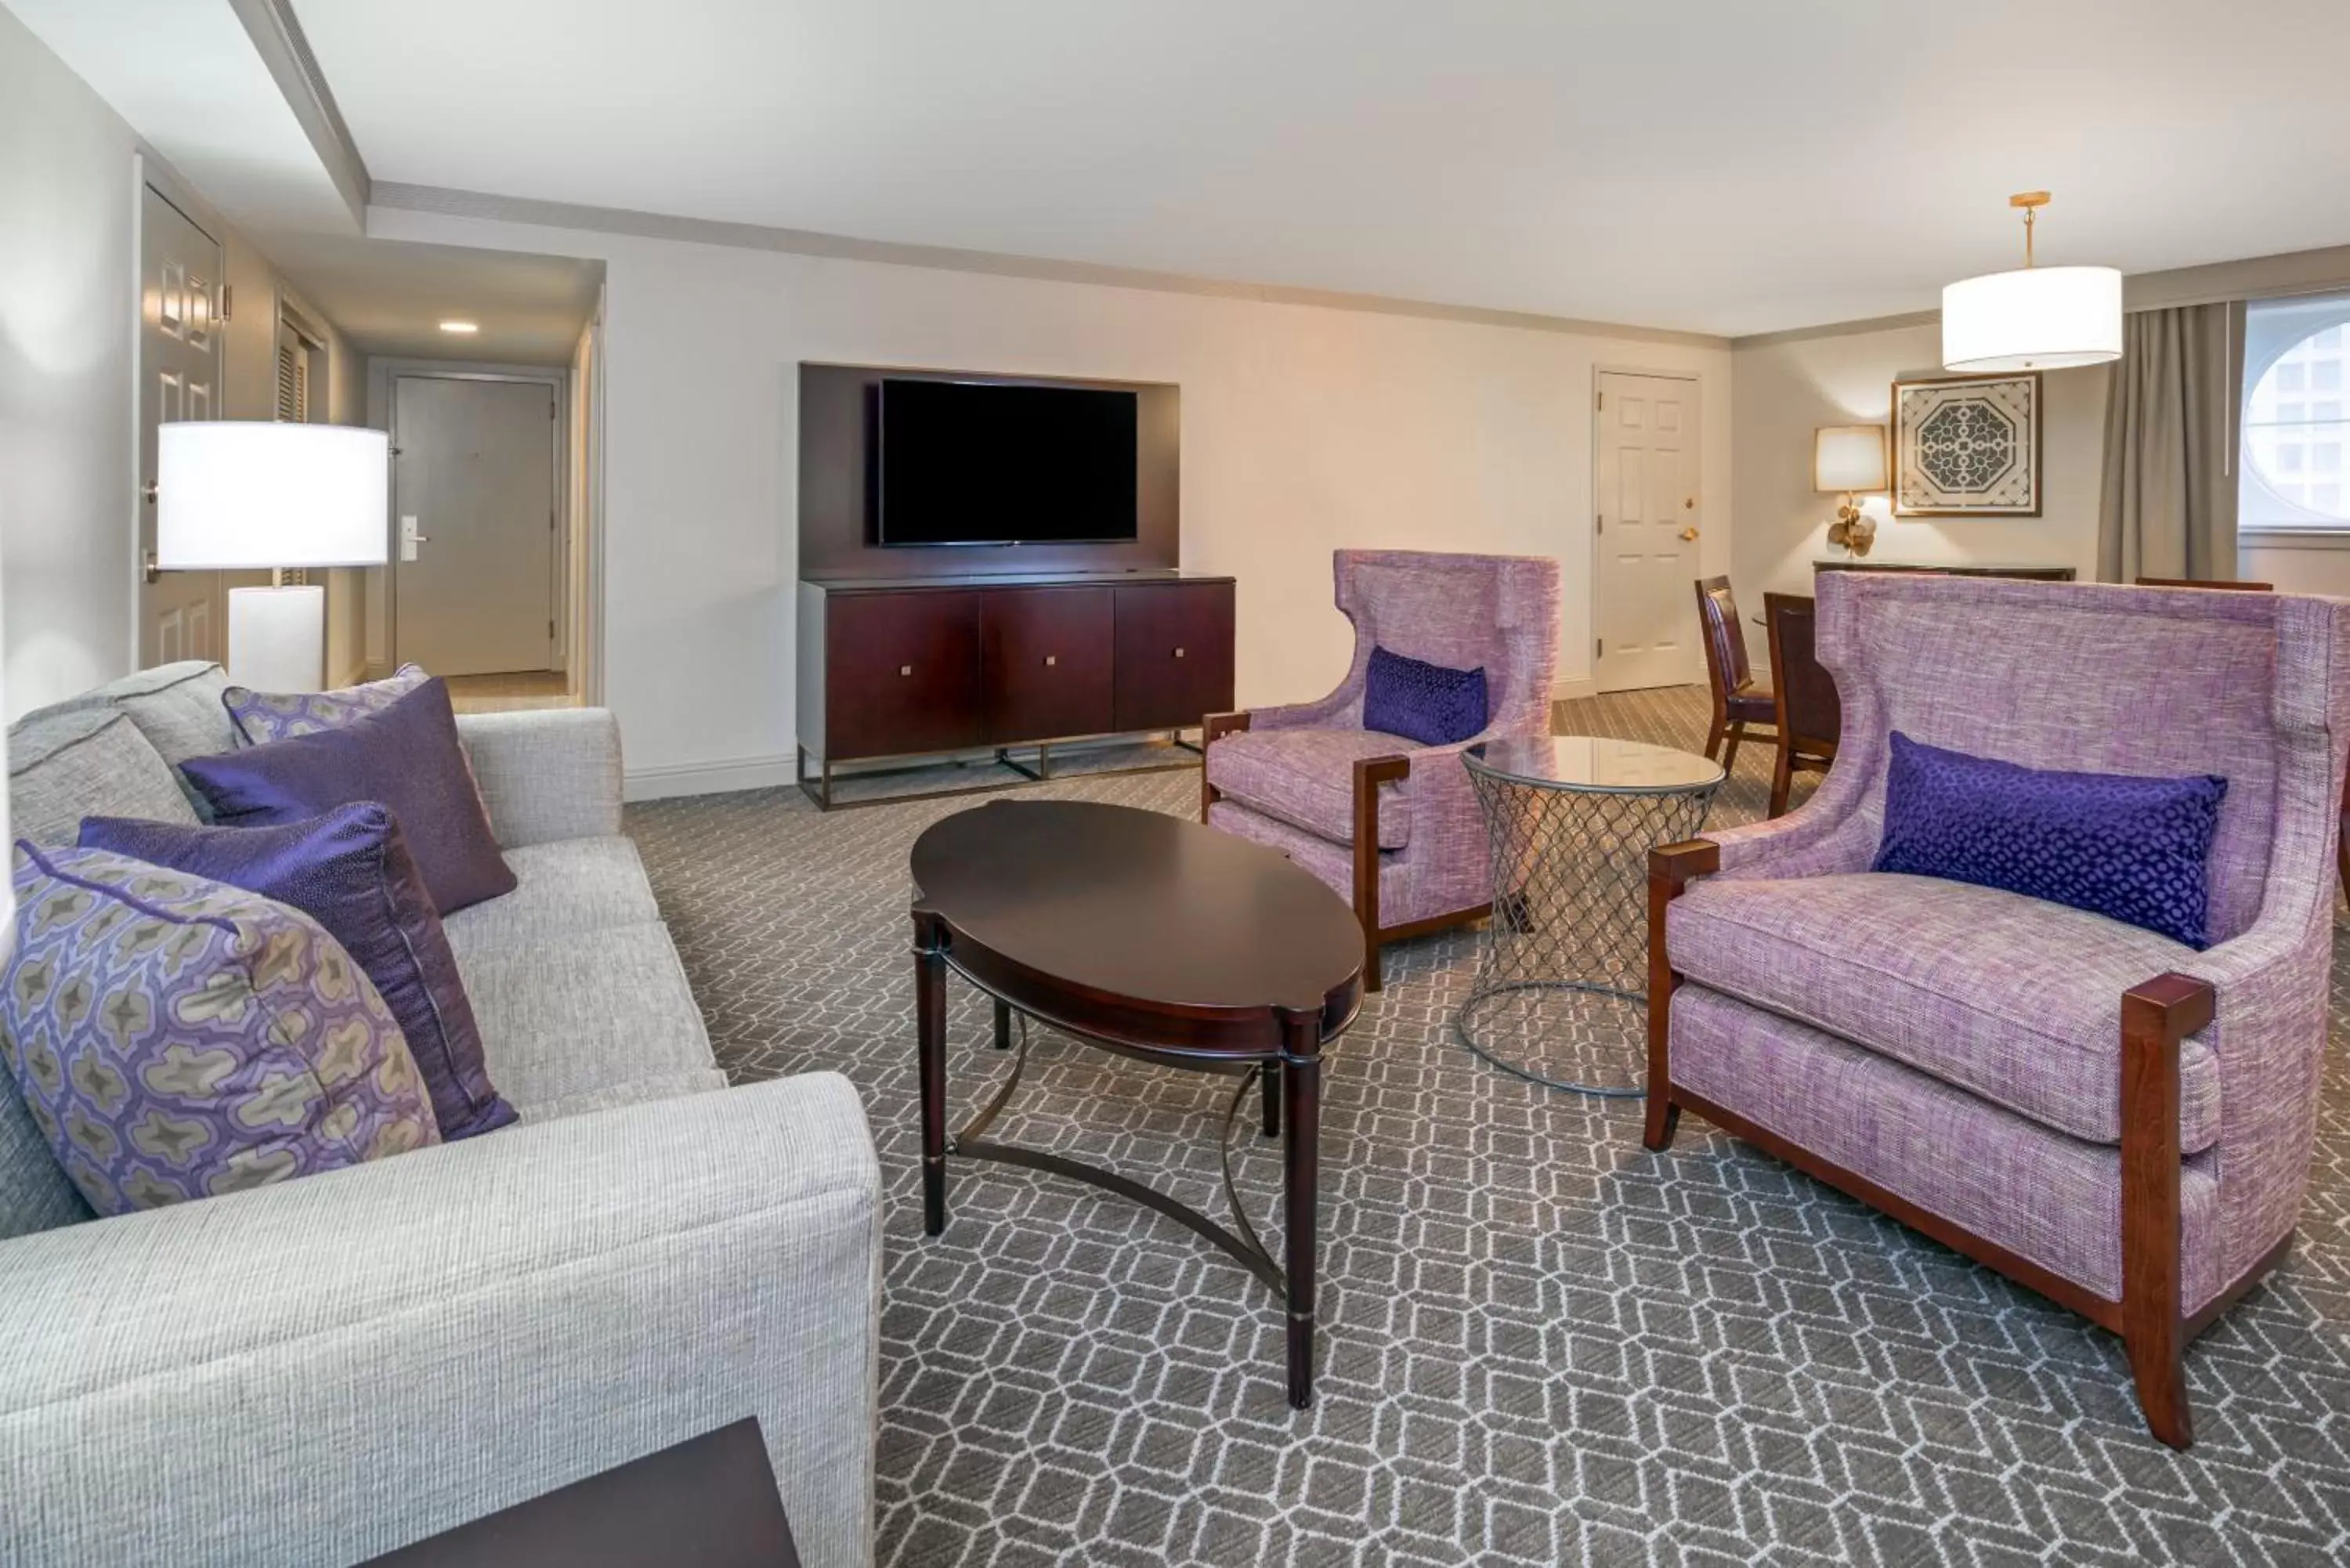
1805,708
1737,700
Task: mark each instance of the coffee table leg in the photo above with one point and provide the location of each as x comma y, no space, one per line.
1301,1076
1270,1089
1002,1025
931,1045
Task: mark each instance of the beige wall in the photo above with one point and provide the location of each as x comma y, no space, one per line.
1783,390
68,461
1305,428
68,346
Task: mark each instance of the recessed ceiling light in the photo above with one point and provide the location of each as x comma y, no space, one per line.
464,329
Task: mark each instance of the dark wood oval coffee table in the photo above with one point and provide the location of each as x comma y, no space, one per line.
1157,938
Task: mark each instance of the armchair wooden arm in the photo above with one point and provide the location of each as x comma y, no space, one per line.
1213,726
1671,869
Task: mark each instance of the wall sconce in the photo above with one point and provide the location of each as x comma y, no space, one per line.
1848,460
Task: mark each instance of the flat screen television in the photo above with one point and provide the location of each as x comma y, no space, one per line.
979,463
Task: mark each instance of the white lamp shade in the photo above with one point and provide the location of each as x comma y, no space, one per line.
1848,457
244,495
2035,318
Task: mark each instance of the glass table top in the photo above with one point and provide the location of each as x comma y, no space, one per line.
1592,763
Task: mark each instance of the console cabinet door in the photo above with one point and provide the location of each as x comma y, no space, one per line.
1174,654
902,673
1044,663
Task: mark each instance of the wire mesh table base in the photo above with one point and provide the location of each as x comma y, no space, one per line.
1561,994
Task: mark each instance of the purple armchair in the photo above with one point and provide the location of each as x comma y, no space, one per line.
1393,825
2112,1118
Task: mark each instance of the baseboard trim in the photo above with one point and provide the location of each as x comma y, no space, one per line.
1574,691
708,778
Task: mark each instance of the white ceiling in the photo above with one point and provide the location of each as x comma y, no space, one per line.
390,296
1725,166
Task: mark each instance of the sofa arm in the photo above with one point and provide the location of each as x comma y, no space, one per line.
318,1371
547,773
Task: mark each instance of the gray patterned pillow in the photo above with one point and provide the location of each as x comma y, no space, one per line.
263,716
176,1038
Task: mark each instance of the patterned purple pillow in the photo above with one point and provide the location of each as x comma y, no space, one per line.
260,717
2137,850
1422,701
350,871
178,1039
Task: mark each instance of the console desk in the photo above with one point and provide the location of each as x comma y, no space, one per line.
905,667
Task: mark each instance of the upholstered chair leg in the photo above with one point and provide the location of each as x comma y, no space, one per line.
1732,733
2156,1016
1671,869
1714,738
1782,778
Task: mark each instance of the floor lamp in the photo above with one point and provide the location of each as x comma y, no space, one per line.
252,496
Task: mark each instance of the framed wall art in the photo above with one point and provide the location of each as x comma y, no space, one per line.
1966,446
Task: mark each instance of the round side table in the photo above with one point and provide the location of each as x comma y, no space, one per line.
1561,994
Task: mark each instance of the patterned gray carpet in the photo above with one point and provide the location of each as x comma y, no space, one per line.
1542,1344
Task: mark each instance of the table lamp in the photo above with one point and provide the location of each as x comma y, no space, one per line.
253,496
1848,460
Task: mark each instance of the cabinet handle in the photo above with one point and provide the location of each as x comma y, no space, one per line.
1179,653
905,669
1049,660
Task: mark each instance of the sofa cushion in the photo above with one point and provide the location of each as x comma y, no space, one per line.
1306,778
2015,1000
177,1038
176,706
587,1013
68,763
566,888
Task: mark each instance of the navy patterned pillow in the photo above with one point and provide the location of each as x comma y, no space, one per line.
1422,701
2136,849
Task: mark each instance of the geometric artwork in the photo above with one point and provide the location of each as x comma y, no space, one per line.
1966,446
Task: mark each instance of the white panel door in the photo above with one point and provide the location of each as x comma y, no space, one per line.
179,379
1648,523
473,503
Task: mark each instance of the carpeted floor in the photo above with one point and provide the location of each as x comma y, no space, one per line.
1540,1343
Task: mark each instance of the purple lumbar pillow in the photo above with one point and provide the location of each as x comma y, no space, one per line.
260,717
350,871
1422,701
407,756
2135,849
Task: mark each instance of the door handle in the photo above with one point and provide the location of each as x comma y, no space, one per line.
905,669
1179,653
410,538
1688,532
1050,661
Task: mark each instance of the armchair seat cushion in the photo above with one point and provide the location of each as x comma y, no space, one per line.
1754,705
2015,1000
1306,778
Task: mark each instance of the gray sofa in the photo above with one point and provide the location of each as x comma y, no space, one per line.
317,1372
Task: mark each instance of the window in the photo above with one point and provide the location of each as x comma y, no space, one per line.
2296,352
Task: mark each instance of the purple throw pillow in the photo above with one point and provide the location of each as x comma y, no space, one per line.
1422,701
407,756
175,1038
260,717
350,871
2136,849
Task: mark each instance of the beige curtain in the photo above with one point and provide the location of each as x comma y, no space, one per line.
2170,505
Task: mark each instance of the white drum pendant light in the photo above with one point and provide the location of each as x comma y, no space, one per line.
2034,319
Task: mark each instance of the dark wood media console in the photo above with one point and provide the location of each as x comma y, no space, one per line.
908,666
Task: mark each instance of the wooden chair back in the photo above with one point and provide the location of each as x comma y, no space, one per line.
1809,712
1726,664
